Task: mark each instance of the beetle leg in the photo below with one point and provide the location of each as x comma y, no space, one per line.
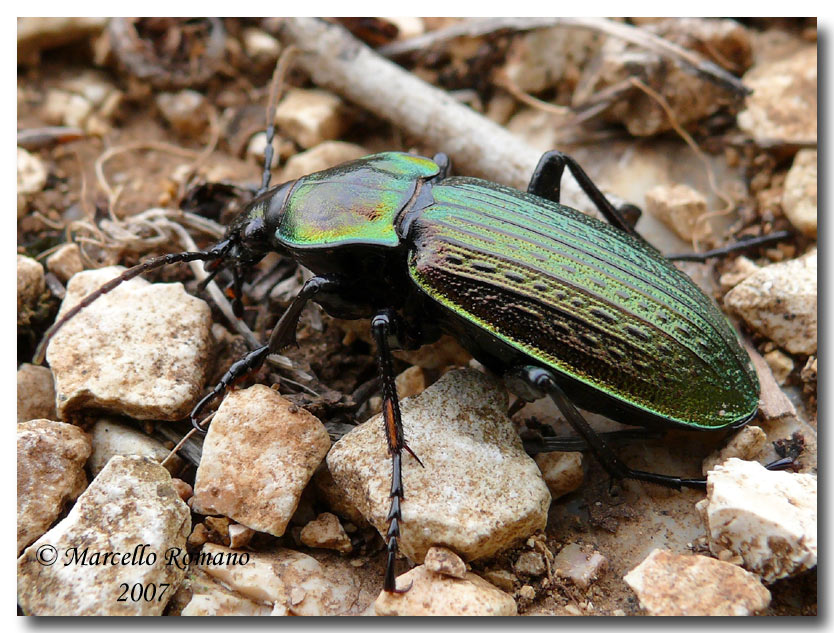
381,328
445,165
283,334
546,382
776,236
546,182
536,445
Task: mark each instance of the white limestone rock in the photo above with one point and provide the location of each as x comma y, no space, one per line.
767,518
30,286
581,566
311,117
747,444
35,393
31,172
678,207
562,472
327,533
323,156
65,262
131,511
783,105
50,472
436,594
141,350
672,584
211,597
258,455
442,560
780,302
799,199
291,582
111,438
479,492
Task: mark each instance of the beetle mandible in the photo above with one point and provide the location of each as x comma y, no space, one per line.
558,303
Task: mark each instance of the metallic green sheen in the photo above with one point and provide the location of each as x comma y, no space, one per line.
583,298
354,203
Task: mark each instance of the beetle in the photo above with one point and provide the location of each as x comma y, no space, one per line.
558,303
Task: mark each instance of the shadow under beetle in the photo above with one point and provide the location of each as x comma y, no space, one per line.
556,302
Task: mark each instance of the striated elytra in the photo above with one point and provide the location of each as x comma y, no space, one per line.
556,302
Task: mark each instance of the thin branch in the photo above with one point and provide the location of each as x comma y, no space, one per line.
476,27
336,60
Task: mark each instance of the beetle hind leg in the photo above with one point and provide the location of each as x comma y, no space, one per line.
544,381
546,182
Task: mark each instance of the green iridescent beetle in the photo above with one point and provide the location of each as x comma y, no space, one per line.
557,302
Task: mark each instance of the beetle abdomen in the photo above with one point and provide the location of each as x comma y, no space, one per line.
585,299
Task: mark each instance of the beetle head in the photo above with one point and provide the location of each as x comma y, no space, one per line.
247,241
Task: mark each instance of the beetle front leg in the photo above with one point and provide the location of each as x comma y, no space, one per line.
282,335
546,182
381,329
543,380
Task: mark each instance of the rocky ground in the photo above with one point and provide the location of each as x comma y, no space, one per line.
140,138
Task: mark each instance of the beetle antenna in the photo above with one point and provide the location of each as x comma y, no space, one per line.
130,273
275,90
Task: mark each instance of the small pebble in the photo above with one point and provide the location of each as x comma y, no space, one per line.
529,564
240,535
501,578
184,489
66,108
747,444
799,199
35,393
141,350
783,105
435,594
260,45
562,472
292,582
65,262
578,566
113,438
742,268
31,172
311,117
478,493
323,156
677,206
30,286
780,302
327,533
440,560
185,111
780,364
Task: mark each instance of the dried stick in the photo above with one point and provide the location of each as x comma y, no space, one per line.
477,146
334,59
475,27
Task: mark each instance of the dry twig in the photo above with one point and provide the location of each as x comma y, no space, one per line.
476,27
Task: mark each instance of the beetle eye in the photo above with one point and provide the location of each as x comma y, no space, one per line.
254,231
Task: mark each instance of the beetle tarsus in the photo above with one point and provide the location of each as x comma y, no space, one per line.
249,363
544,380
382,326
